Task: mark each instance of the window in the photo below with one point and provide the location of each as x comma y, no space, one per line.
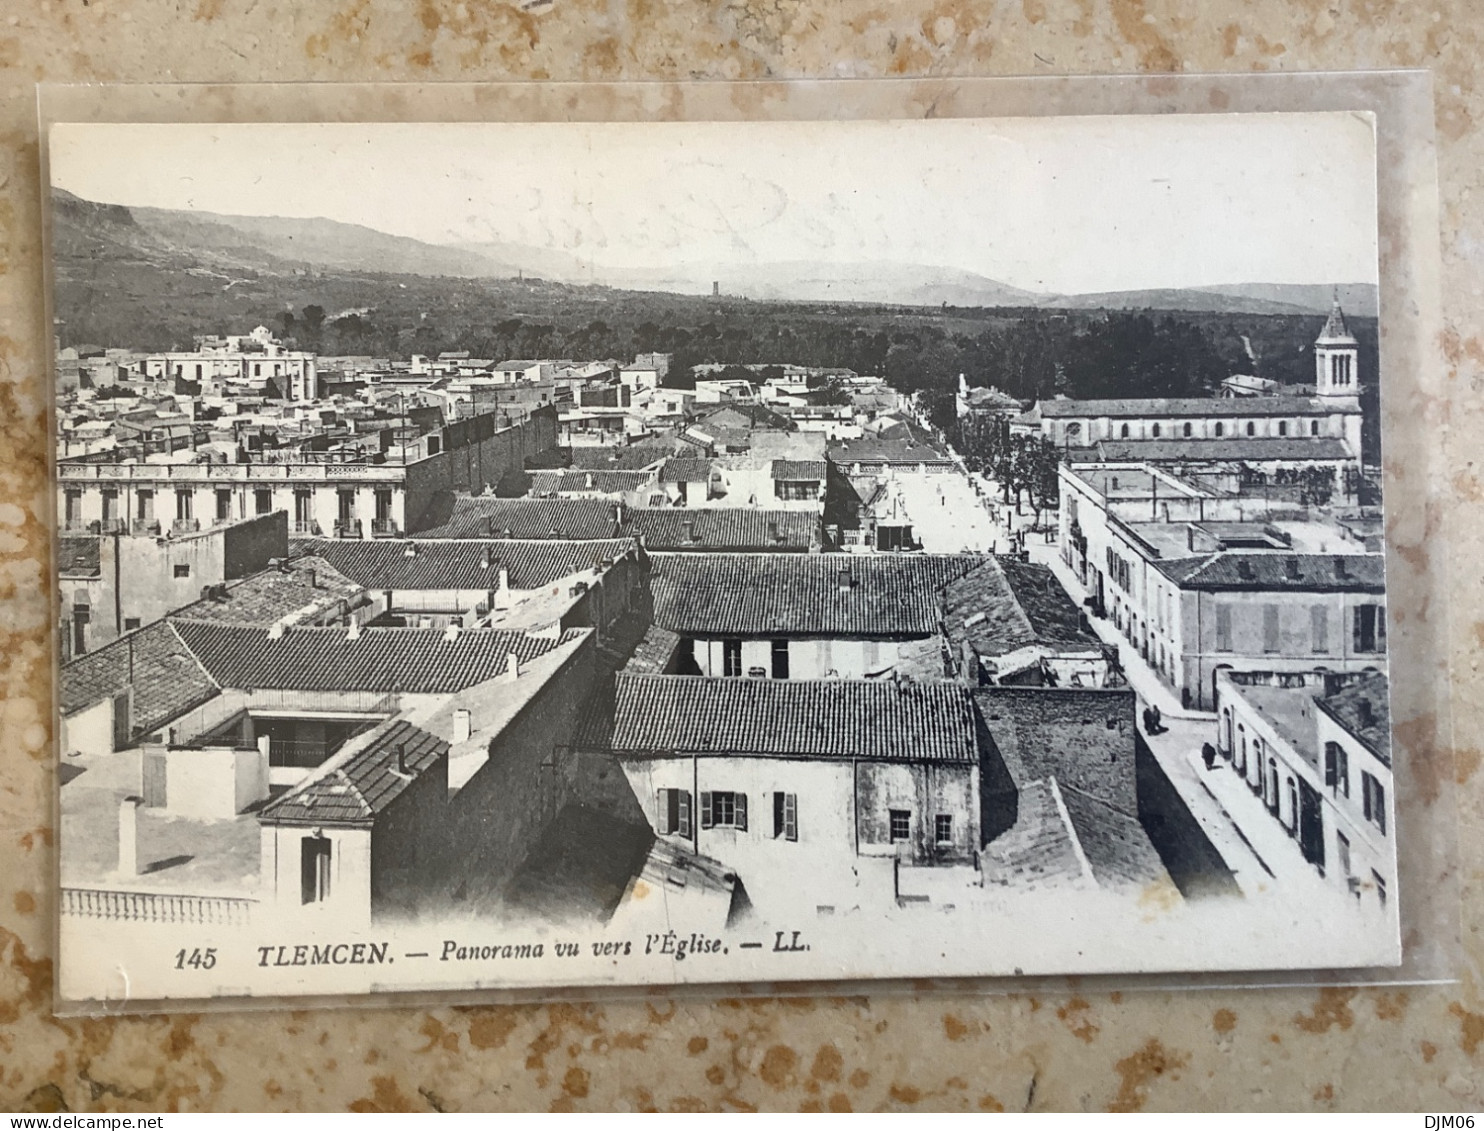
674,812
1370,628
901,823
1223,628
779,650
1155,431
1270,628
731,657
1185,430
1251,428
183,502
182,570
1123,432
314,869
1380,882
223,505
346,502
1374,800
1319,628
786,816
1342,850
1292,808
1337,769
131,623
943,828
263,500
1283,428
724,809
797,490
1220,428
110,505
1272,783
1313,428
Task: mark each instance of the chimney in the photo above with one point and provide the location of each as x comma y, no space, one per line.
484,559
1244,569
409,550
1342,568
354,632
402,760
314,579
846,582
1366,717
275,630
502,590
689,526
129,835
451,633
1291,568
512,667
618,513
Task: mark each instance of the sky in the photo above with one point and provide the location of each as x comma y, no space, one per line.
1066,205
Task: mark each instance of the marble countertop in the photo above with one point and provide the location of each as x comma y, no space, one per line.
1419,1048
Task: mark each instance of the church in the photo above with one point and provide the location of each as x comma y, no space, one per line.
1254,429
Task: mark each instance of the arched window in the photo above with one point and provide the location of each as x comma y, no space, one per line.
1313,428
1283,428
1219,428
1156,431
1186,429
1292,808
1251,428
1123,432
1273,802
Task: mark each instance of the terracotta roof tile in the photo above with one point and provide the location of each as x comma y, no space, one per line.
1237,448
463,563
1189,406
166,679
485,516
1312,573
354,788
799,469
723,528
1004,605
658,715
1364,709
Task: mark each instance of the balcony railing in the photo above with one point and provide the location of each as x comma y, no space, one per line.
145,526
185,526
384,528
156,907
348,528
306,529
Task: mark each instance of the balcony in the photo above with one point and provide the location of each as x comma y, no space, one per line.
384,528
145,526
348,528
113,526
185,526
305,529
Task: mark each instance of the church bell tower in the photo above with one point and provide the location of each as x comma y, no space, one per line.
1336,359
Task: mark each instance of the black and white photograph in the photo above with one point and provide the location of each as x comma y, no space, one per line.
518,556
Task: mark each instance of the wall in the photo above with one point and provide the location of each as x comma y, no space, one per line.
88,731
349,904
475,457
216,783
925,790
808,658
1192,861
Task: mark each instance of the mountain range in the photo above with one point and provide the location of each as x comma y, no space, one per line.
211,243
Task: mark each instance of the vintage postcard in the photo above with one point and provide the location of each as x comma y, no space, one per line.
522,555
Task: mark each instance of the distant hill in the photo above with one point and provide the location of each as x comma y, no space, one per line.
205,244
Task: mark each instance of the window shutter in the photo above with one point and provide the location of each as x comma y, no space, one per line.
662,811
683,814
705,810
742,812
1380,628
1331,776
791,816
1359,621
1365,794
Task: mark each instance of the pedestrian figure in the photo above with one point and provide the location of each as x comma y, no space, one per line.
1154,715
1208,755
1148,722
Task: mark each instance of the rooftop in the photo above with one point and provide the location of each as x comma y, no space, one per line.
1004,605
412,660
1236,448
874,449
709,595
799,469
669,716
302,589
485,516
1315,573
722,528
684,470
616,459
1364,709
1290,711
1062,408
154,663
467,564
78,556
573,479
361,780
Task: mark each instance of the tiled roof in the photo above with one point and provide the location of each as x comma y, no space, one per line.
1040,849
463,563
802,594
722,528
1074,736
616,459
609,482
353,790
1364,709
666,716
746,417
1190,406
413,660
78,556
305,585
485,516
1004,605
1335,331
1237,448
154,663
799,469
1308,573
654,652
682,470
871,449
1114,842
